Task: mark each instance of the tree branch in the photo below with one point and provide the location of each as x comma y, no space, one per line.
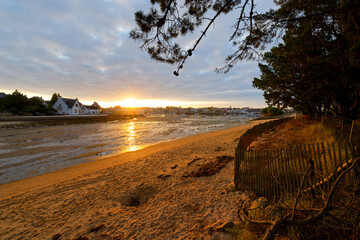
303,222
239,20
299,192
190,51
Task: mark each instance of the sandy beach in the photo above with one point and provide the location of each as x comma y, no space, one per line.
159,192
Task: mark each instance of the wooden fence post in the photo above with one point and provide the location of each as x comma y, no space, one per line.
334,154
295,177
311,176
238,159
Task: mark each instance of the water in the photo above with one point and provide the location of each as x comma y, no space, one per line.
34,151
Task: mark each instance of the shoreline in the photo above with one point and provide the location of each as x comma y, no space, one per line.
23,122
38,150
151,193
28,184
54,120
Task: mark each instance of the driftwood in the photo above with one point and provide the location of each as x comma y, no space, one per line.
290,220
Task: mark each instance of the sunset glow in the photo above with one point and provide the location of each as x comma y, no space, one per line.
109,66
131,102
137,103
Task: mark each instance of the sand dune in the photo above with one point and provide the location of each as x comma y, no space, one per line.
153,193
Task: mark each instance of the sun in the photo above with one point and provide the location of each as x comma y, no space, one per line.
131,103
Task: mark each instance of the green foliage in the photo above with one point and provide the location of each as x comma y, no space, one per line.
18,103
167,20
271,111
15,102
2,104
314,70
35,105
54,98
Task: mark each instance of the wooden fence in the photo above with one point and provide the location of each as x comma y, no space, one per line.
279,172
251,134
247,138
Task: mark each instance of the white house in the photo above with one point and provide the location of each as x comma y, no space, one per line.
92,109
68,106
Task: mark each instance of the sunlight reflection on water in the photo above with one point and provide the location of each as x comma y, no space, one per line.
33,151
132,139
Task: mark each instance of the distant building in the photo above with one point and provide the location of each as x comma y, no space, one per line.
68,106
254,112
91,110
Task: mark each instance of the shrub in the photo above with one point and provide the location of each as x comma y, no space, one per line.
271,111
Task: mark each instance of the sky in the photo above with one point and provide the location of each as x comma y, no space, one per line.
82,49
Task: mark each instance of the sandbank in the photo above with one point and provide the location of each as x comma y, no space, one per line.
143,194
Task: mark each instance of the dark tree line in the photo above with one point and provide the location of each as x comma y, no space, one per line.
19,103
316,68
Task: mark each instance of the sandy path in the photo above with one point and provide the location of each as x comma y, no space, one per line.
93,200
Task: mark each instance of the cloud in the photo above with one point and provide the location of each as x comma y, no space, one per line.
82,49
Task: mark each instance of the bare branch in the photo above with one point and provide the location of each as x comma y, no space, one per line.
251,17
303,222
299,192
239,20
190,51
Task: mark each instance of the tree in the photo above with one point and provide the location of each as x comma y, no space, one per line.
35,105
18,103
294,75
2,97
15,102
169,19
2,108
54,98
271,111
312,71
328,31
321,35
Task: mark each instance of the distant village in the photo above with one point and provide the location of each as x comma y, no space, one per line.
171,111
18,104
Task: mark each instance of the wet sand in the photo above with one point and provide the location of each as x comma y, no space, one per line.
151,193
27,150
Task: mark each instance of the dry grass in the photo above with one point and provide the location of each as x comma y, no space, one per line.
292,133
316,132
345,202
